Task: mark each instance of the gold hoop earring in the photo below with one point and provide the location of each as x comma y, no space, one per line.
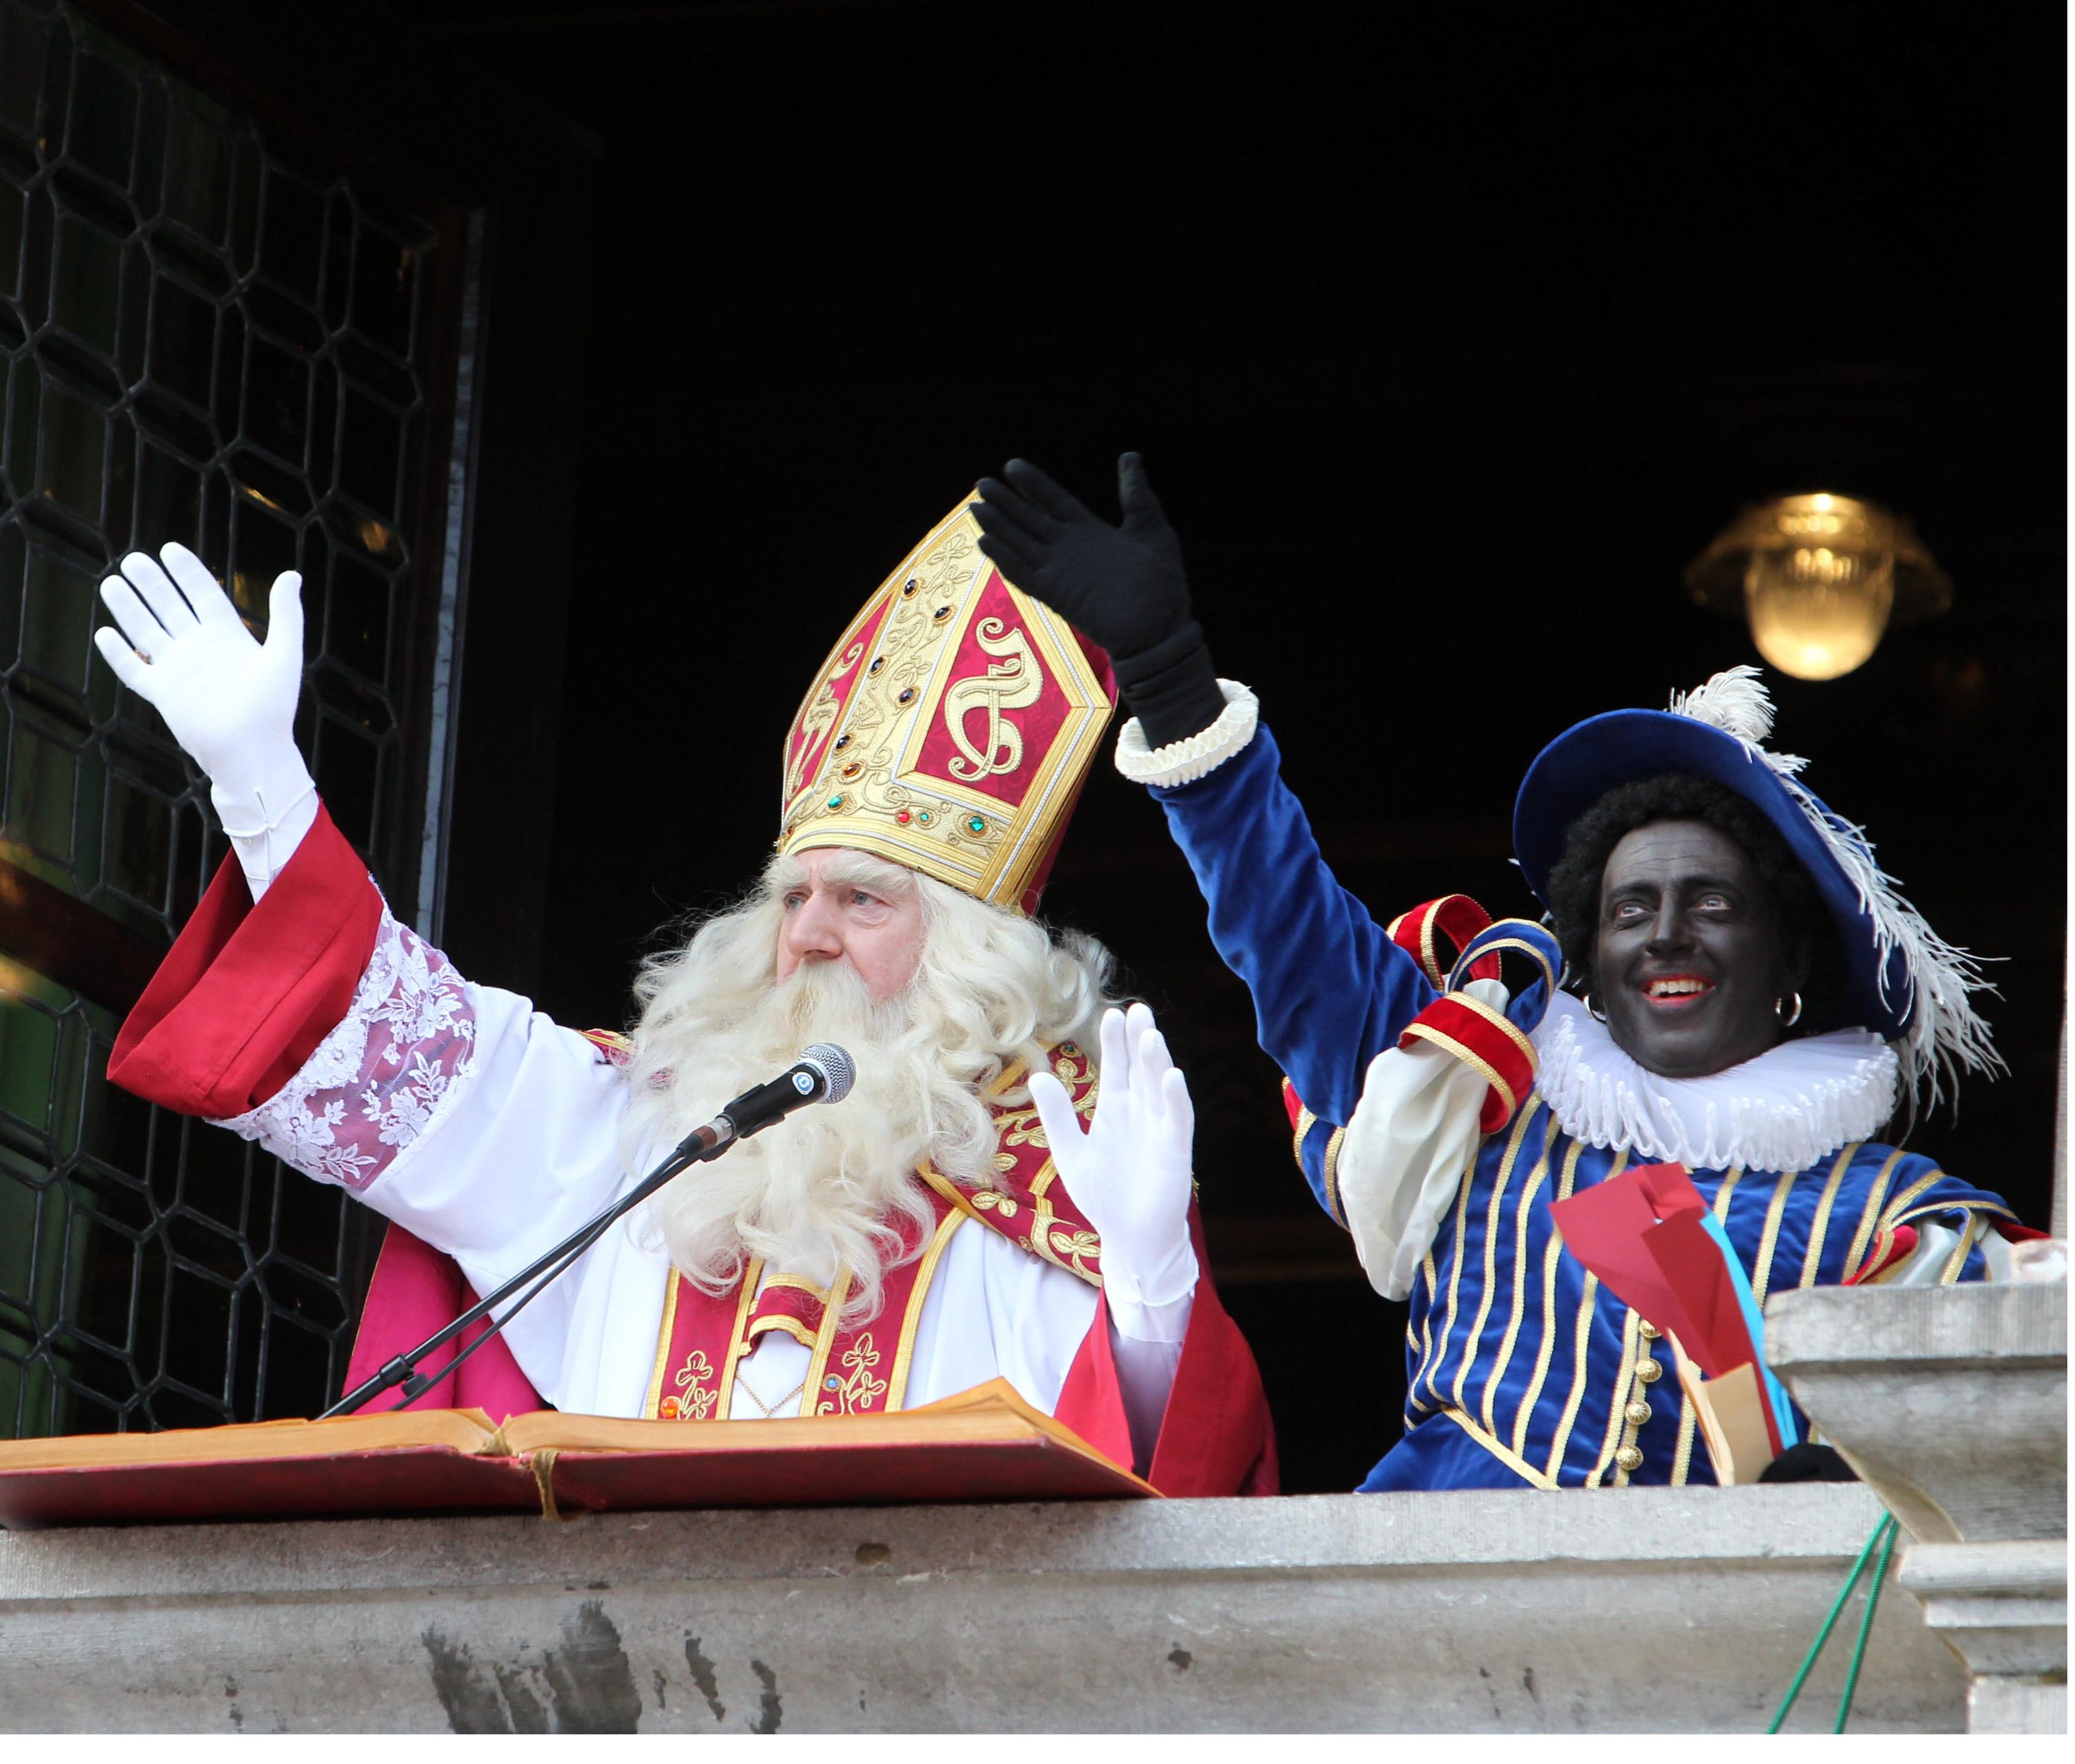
1786,1021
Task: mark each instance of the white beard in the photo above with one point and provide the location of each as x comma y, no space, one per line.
832,1190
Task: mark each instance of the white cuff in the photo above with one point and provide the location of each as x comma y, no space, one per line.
1141,1318
1197,755
268,815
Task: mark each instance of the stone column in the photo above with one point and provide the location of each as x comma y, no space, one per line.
1951,1402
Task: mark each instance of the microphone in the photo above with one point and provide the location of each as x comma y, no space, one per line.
823,1073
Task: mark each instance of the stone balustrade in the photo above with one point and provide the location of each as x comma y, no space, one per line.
1646,1610
1953,1404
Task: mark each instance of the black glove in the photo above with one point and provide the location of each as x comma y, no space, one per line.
1808,1462
1124,585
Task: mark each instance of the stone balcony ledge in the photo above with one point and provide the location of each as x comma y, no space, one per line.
1953,1404
1638,1610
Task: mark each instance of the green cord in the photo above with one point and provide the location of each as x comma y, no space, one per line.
1884,1528
1866,1626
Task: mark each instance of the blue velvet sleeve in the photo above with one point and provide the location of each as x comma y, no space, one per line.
1330,990
1953,1203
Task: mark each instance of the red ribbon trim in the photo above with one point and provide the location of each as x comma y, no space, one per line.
1455,916
1482,1038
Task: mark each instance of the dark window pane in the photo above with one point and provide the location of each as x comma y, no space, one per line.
14,225
90,281
345,775
277,401
196,305
58,607
183,350
384,284
43,785
73,455
21,69
291,234
168,496
357,630
197,177
103,120
140,837
371,441
265,544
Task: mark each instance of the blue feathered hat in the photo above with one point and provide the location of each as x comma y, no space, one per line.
1903,980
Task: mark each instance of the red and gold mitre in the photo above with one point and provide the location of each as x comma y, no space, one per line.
951,727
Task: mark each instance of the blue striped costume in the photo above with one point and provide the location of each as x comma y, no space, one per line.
1522,1370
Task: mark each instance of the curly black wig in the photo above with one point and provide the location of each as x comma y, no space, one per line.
1589,841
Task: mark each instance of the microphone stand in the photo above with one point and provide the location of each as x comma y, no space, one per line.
696,1147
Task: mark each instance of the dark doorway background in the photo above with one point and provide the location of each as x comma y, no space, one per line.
1450,336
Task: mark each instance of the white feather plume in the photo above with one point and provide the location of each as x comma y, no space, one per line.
1947,1035
1735,700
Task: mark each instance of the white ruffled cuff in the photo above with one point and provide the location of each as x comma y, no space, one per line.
1197,755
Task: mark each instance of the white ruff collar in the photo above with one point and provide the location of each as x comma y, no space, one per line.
1793,1104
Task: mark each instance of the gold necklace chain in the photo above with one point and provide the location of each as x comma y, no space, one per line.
742,1385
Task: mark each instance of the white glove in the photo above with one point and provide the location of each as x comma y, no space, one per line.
229,700
1130,1171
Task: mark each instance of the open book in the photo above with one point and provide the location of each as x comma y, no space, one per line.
983,1445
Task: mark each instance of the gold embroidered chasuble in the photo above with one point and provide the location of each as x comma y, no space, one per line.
861,1367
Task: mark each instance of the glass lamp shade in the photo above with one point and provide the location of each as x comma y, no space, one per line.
1815,613
1819,577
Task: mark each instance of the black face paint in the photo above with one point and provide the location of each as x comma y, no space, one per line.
1689,956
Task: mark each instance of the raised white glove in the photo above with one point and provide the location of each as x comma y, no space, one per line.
1130,1171
229,700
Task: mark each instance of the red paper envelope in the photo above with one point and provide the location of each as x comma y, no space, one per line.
1640,1234
1714,1333
1603,1227
1670,1190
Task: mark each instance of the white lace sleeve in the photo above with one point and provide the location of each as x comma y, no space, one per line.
377,1081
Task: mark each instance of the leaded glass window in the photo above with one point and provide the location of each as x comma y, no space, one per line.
211,336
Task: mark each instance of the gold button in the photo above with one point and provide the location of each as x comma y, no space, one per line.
1648,1331
1629,1458
1649,1371
1638,1412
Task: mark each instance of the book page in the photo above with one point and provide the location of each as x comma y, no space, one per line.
464,1430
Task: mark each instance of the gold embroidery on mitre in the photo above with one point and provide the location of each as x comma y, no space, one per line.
1012,684
950,728
816,720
